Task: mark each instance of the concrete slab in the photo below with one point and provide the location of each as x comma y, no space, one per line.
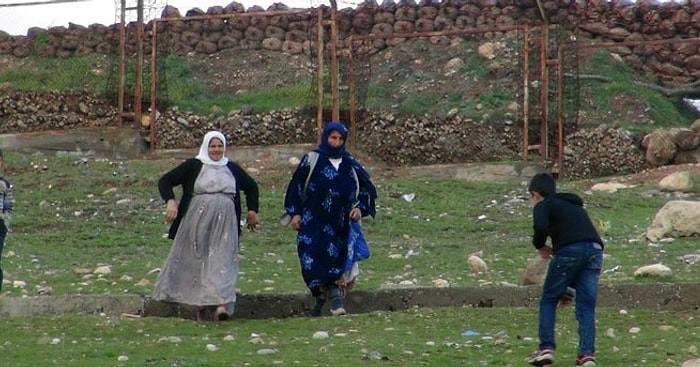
116,143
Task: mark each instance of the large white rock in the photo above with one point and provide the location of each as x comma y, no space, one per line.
535,271
677,218
695,362
654,270
678,181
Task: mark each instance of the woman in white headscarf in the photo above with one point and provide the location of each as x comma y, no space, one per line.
202,267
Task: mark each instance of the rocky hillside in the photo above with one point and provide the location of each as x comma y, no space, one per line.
397,139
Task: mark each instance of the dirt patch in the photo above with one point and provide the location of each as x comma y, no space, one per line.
661,297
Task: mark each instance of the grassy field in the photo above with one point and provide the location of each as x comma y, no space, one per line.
422,337
74,215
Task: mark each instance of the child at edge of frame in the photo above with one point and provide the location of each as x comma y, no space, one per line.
7,201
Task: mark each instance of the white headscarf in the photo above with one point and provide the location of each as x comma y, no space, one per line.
204,149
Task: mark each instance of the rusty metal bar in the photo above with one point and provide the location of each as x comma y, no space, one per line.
335,100
526,91
544,93
122,63
351,96
138,70
319,77
560,116
154,88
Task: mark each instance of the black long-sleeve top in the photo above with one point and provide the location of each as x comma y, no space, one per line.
562,217
186,173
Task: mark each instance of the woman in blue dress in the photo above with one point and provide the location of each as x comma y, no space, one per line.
329,189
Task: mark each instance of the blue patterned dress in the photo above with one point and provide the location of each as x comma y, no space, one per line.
322,238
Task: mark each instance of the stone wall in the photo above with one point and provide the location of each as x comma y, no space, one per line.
211,31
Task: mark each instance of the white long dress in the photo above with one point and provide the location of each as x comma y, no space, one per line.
202,266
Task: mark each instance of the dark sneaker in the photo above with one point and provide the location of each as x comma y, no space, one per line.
337,307
317,309
586,360
543,357
221,313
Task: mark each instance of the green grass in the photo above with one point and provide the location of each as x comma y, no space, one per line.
51,74
73,214
420,337
189,94
262,101
665,111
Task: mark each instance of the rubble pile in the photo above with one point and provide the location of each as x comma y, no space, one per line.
398,140
602,151
42,111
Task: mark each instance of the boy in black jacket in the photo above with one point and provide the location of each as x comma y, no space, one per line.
577,259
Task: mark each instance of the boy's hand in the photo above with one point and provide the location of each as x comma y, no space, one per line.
545,252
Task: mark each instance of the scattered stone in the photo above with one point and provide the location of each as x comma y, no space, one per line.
82,271
103,270
476,264
654,270
170,339
44,290
111,190
535,271
610,187
690,259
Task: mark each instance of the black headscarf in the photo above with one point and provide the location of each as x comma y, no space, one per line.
340,152
328,150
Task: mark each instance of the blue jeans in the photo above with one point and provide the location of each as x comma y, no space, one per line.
3,233
577,265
